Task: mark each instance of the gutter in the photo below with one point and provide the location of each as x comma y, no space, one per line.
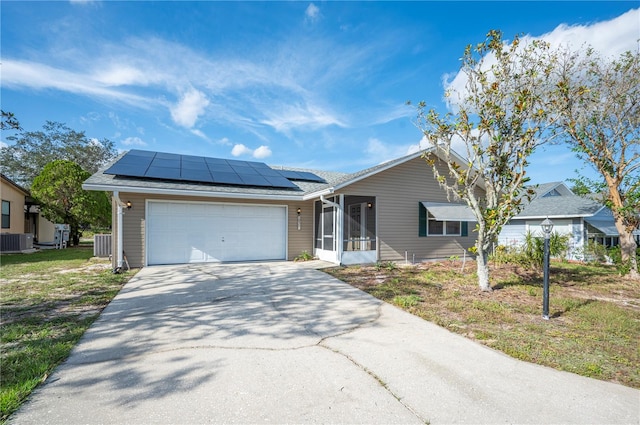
119,254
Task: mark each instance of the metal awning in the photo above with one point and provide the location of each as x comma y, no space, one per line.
606,227
449,211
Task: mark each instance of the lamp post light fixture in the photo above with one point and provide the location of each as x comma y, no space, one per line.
547,227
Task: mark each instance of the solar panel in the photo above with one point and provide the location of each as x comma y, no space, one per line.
196,175
163,173
168,166
226,178
302,176
254,180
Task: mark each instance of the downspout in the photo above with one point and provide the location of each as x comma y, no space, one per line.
119,248
339,225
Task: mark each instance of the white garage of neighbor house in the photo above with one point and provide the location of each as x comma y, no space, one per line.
176,209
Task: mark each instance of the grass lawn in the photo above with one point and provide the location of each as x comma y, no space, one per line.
595,314
47,300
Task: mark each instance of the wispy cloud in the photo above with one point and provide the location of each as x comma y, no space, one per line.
17,73
312,13
133,141
299,116
289,86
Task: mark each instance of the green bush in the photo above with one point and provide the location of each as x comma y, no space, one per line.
304,256
531,253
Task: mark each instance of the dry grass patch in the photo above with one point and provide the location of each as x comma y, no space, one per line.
594,329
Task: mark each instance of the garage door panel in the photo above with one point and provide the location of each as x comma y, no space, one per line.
183,232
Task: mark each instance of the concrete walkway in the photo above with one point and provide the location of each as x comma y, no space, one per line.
284,343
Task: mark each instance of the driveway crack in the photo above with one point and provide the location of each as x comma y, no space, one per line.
380,381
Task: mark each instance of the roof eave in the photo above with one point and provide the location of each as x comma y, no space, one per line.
186,192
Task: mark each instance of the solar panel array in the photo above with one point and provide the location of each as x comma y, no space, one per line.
168,166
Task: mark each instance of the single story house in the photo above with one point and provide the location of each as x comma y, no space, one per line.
582,218
175,209
21,218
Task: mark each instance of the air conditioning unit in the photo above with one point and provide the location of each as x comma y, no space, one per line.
101,245
16,242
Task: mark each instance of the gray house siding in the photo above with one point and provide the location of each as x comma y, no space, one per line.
513,234
398,191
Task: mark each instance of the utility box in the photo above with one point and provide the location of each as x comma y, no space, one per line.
61,235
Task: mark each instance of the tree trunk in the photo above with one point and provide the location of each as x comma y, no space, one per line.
628,254
482,262
627,243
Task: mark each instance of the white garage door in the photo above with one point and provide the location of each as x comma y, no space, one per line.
183,232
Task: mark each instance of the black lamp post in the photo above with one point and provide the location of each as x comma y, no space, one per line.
547,227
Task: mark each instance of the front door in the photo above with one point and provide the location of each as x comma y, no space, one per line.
357,226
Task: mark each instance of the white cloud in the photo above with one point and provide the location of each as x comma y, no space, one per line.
610,38
134,141
224,141
3,145
240,149
312,13
262,152
189,108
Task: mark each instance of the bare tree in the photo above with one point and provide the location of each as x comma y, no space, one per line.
597,107
499,121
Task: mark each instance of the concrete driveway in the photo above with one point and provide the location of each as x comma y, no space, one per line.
285,343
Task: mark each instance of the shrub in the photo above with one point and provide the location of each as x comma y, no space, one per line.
303,256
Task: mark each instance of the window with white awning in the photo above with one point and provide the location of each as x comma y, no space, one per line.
444,219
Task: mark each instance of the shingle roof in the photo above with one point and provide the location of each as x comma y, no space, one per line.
559,206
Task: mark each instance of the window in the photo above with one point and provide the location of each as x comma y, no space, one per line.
6,214
443,228
554,192
428,225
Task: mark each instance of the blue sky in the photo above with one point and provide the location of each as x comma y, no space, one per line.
311,84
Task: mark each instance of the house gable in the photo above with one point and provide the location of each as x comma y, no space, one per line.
399,191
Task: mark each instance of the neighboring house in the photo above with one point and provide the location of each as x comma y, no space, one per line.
581,218
20,213
173,209
13,206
